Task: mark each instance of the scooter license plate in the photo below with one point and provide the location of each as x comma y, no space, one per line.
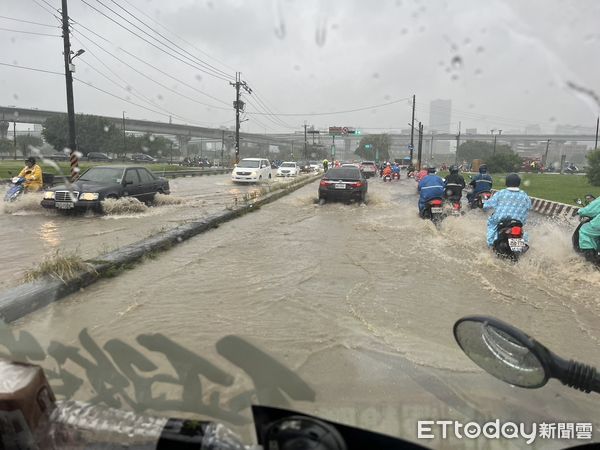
64,205
516,245
437,210
340,186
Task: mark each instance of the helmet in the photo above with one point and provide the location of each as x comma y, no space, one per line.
453,169
31,160
388,164
483,168
513,180
431,170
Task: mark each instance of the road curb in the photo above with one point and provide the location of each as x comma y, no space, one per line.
29,297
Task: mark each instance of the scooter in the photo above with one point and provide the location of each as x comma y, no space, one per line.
434,210
592,256
452,206
16,189
510,243
386,178
479,198
396,176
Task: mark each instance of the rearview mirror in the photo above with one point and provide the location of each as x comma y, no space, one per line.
512,356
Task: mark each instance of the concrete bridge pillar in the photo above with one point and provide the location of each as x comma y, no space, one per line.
4,129
183,145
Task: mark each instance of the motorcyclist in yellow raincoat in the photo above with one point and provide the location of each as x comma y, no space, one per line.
32,174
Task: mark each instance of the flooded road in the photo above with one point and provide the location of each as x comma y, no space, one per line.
358,301
29,233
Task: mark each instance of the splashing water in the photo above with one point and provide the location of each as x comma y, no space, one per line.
120,206
163,200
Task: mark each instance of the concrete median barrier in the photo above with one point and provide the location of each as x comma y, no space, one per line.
29,297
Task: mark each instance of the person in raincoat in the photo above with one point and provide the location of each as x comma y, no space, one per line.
32,174
325,165
509,203
589,233
430,187
480,183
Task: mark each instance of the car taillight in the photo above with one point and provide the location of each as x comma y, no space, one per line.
324,183
516,231
436,202
356,185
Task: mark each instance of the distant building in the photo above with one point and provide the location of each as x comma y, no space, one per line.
471,131
533,129
440,117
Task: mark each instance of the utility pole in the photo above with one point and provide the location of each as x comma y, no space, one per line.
457,144
412,130
124,137
305,143
597,124
431,148
15,137
69,69
546,154
420,151
238,106
222,146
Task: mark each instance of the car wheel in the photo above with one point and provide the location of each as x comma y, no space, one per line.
269,176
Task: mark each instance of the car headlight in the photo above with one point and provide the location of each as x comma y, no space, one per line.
89,196
49,195
253,174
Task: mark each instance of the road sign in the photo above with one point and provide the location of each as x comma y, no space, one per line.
368,146
340,131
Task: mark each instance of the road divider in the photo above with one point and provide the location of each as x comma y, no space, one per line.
29,297
550,208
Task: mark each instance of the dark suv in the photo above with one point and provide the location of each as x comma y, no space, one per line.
97,156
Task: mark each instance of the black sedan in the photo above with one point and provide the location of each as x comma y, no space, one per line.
99,183
343,183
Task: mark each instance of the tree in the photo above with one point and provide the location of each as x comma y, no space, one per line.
593,171
503,162
471,150
94,134
6,146
374,147
23,143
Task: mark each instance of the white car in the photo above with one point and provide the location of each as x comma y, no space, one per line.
288,169
251,170
315,165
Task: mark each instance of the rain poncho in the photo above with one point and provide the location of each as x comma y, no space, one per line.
430,187
33,177
509,203
589,233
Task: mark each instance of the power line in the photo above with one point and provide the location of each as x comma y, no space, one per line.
152,66
363,108
150,78
49,11
28,21
179,37
204,63
30,32
146,40
30,68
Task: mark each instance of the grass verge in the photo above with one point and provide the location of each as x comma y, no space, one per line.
60,266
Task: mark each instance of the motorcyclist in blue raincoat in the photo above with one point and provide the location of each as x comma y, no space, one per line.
509,203
395,168
430,187
480,183
589,233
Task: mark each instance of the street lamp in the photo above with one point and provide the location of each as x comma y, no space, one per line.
495,136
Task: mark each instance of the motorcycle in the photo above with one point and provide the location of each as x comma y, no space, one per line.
452,206
479,198
396,176
509,242
16,189
434,210
591,255
387,178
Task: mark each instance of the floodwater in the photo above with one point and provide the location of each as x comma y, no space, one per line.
29,233
357,302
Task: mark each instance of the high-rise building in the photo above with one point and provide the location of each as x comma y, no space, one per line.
440,114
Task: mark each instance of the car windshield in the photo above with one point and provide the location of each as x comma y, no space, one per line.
288,165
102,175
248,164
342,174
191,285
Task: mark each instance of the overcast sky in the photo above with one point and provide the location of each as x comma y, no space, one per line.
503,63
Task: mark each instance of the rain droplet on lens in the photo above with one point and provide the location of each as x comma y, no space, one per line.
480,49
376,75
145,149
280,31
484,30
456,62
398,2
296,67
552,119
471,106
454,77
159,96
448,70
403,31
387,97
441,63
128,88
321,35
526,183
211,5
106,128
151,138
13,40
16,114
477,71
335,26
422,28
16,96
467,41
198,77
